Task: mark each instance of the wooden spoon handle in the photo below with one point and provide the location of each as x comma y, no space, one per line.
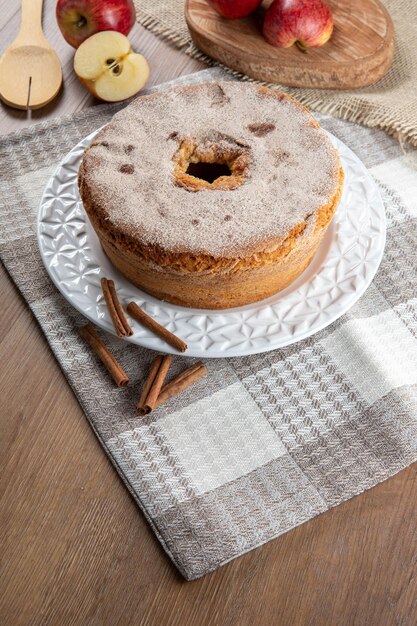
31,22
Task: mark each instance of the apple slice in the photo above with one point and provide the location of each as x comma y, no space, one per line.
106,64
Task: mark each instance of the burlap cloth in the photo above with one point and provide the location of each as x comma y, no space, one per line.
265,442
390,104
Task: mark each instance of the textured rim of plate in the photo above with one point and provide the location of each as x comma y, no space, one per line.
342,269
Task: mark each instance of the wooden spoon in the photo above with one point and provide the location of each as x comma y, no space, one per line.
30,71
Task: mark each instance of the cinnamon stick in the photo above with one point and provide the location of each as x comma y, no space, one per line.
182,375
154,382
156,364
143,318
116,371
118,317
119,309
181,382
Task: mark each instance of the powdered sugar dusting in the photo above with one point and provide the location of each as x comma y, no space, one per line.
293,169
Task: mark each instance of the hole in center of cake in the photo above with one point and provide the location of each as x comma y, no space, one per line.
208,171
216,162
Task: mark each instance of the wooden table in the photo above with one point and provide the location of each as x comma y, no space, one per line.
76,550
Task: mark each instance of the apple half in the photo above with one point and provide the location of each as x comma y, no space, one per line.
106,64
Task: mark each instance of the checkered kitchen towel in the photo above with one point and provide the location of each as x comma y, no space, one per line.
266,442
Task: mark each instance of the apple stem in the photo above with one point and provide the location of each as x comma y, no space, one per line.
300,46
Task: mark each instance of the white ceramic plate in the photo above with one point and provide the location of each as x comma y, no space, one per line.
343,268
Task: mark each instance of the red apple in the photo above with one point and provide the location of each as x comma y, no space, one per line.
79,19
307,23
232,9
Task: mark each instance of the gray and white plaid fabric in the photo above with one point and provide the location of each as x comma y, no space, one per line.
266,442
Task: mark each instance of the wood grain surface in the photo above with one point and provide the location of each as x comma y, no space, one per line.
76,551
358,53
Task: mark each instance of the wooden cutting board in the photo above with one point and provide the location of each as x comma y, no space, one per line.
359,52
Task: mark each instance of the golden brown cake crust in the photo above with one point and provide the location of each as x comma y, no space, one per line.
192,254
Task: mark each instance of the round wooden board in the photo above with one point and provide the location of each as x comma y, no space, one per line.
359,52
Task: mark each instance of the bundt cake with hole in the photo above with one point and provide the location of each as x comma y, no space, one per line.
211,196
